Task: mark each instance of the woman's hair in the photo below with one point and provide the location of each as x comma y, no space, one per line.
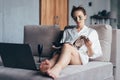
77,9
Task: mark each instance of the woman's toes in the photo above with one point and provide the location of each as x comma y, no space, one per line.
44,68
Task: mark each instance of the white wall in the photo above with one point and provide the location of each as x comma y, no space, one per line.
97,5
14,14
114,13
1,17
118,17
18,13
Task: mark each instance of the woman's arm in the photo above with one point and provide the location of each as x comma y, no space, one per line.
93,45
88,44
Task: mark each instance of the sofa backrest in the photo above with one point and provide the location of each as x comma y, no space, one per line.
41,34
34,35
105,36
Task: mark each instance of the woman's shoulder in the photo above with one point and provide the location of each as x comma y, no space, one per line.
92,30
69,29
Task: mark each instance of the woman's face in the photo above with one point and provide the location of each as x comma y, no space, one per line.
79,18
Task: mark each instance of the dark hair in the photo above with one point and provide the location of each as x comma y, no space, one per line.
76,9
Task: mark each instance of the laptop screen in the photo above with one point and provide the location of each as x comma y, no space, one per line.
17,56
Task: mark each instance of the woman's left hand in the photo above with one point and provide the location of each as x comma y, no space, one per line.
88,43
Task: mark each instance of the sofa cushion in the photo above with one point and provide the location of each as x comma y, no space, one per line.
78,72
105,36
41,34
72,72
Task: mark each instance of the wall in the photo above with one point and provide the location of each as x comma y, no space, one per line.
1,17
97,5
16,14
118,8
114,14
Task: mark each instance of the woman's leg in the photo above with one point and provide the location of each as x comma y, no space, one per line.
48,64
69,55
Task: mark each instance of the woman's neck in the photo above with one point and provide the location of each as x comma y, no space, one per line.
79,28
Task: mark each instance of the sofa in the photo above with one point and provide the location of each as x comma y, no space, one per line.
103,68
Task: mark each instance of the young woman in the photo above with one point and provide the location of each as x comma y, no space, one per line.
70,54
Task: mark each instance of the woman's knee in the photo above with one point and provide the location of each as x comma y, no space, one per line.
72,49
75,58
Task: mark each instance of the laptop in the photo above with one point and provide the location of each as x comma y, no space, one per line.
17,56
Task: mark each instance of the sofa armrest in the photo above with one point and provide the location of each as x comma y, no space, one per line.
115,52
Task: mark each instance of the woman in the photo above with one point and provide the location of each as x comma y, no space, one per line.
70,54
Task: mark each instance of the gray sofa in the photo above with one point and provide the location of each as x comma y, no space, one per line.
103,68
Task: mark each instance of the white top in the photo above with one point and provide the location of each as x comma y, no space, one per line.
70,35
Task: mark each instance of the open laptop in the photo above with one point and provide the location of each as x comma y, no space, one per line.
17,56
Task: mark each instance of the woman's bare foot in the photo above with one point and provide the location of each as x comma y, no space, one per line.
45,66
54,72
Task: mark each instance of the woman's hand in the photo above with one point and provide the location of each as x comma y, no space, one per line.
88,44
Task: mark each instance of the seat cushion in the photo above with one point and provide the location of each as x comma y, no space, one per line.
72,72
105,36
88,71
43,35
